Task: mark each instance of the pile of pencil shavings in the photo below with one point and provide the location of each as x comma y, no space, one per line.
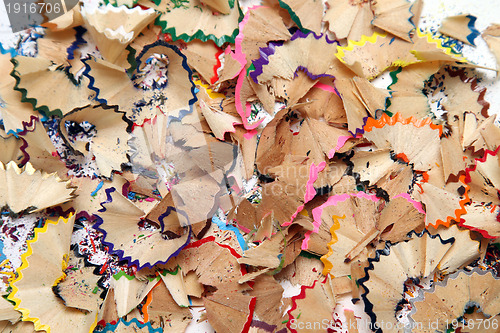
171,158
